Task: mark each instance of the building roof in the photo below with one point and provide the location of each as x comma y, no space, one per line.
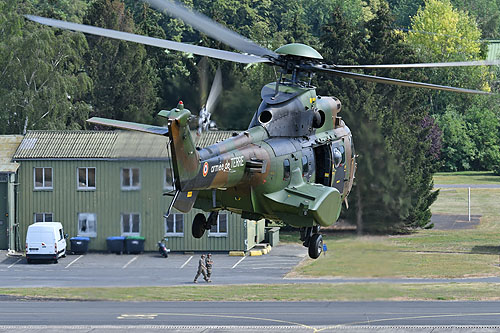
8,146
493,50
102,144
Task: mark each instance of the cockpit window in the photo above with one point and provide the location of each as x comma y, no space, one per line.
286,169
337,157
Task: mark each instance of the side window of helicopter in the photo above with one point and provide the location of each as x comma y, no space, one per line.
305,166
337,157
342,150
286,169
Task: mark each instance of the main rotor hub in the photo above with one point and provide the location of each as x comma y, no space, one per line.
299,50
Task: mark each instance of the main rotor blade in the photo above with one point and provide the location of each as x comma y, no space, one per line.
211,28
163,43
385,80
214,91
424,65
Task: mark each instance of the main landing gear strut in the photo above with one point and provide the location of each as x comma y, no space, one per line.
313,240
200,223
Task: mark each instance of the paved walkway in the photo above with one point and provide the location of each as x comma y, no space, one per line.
467,185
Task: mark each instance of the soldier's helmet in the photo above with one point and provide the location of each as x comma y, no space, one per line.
203,256
209,255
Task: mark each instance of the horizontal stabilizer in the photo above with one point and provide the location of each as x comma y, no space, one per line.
129,125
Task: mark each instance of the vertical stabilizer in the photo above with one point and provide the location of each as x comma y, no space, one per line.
185,158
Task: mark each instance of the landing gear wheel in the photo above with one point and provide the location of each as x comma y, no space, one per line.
198,228
315,246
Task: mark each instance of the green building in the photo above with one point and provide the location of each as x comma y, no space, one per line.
100,184
493,50
8,169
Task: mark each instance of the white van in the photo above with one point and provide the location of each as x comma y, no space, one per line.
45,240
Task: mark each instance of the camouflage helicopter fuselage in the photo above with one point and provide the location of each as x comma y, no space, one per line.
295,163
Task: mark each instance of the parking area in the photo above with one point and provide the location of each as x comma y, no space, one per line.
147,269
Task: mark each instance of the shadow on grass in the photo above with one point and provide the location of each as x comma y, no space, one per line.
486,249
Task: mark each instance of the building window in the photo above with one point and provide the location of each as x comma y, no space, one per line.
86,178
168,180
174,225
43,178
131,179
43,217
87,225
131,224
220,229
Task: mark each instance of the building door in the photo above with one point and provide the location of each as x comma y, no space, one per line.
4,242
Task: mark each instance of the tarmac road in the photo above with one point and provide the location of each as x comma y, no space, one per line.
150,269
46,316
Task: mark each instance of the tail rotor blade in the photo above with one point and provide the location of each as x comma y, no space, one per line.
202,70
214,91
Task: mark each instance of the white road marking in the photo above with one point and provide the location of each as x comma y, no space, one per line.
184,264
71,263
131,261
238,262
18,260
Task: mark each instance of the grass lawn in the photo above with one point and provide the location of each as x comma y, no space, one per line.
282,292
466,177
427,253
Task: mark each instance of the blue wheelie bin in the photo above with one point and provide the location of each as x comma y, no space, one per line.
116,244
79,245
134,244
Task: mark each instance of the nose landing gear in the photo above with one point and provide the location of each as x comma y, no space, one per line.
313,240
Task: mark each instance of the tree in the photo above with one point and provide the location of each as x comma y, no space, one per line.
441,33
485,12
124,80
458,149
394,178
41,80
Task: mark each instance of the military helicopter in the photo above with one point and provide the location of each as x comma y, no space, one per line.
296,161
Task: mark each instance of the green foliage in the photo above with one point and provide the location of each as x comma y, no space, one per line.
485,12
439,32
458,148
41,82
471,140
403,10
394,178
124,80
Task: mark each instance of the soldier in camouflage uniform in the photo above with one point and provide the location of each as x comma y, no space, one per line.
202,270
209,264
